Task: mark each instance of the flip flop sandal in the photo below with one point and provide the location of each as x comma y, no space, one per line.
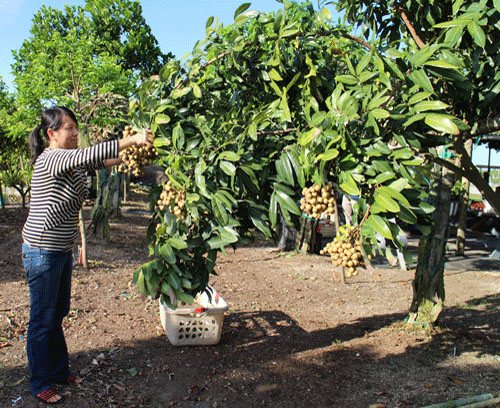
46,395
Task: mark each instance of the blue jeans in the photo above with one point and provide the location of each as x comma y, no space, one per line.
49,280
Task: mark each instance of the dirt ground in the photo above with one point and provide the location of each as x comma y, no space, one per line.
293,336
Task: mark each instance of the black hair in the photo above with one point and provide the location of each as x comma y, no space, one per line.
52,118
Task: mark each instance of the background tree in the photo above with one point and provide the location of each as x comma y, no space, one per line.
14,171
89,59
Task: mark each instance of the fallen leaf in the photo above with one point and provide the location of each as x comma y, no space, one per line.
457,380
2,345
119,388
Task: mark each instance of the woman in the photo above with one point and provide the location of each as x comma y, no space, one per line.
58,190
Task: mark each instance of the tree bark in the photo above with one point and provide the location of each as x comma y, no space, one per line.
428,285
462,214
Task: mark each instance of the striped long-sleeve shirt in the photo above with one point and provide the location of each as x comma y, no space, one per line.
58,190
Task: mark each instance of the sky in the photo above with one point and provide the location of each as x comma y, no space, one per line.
176,24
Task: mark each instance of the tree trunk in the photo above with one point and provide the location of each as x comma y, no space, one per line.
2,201
83,236
126,186
464,204
101,211
307,237
116,184
428,285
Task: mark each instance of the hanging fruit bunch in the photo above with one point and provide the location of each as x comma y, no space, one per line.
135,158
318,200
174,200
345,250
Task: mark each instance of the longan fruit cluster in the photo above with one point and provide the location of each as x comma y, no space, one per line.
318,200
135,158
345,250
174,200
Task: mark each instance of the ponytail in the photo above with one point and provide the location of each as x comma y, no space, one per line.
51,119
37,144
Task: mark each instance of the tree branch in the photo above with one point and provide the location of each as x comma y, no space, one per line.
410,27
358,40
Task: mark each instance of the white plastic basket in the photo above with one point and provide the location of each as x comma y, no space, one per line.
199,324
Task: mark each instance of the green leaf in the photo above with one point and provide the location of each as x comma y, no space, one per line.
386,201
227,167
477,33
286,202
422,56
328,155
252,131
241,9
380,113
183,297
349,185
420,78
379,225
383,177
413,119
402,154
141,283
178,136
219,210
453,23
363,63
167,253
259,222
442,123
297,167
161,142
396,195
200,179
196,90
399,184
231,156
326,14
178,93
440,64
284,169
177,243
378,100
407,215
347,79
162,119
425,207
274,75
173,280
273,210
307,137
418,97
430,105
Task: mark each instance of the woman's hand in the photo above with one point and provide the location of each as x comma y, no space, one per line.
141,138
144,138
